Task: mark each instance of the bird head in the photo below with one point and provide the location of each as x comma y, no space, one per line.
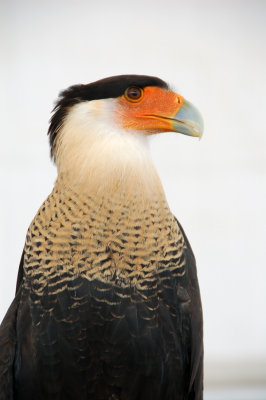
108,119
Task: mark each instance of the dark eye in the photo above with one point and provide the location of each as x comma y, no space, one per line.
133,93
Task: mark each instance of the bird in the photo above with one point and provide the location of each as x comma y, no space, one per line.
107,303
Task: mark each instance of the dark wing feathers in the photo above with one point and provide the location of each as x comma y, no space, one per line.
8,341
20,271
196,325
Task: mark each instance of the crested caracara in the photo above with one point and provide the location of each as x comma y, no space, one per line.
107,305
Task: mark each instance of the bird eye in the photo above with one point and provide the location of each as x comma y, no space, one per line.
133,93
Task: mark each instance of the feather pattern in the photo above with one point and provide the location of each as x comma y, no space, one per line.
108,303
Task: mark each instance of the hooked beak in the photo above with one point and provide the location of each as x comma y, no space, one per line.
160,111
188,120
182,118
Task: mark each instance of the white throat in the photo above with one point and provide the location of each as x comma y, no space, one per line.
95,154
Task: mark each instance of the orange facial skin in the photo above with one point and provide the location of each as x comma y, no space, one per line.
152,113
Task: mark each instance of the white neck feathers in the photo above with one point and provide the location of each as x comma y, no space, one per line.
95,154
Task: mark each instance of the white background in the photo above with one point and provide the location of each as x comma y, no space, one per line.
213,53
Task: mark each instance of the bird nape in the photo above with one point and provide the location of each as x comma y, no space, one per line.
107,305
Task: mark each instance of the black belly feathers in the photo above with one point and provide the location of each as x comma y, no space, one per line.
103,340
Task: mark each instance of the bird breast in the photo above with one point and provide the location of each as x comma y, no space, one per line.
75,235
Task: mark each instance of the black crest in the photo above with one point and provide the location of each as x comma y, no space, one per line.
106,88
